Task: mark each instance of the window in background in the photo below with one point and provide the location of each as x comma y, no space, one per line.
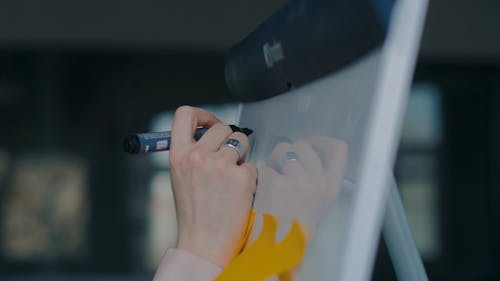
161,232
417,167
44,210
4,166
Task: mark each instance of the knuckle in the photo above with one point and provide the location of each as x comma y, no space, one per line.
220,166
241,137
221,126
197,158
184,110
301,143
340,143
220,169
248,179
303,147
247,174
283,147
252,168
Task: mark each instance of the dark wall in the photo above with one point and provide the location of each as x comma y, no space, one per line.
84,103
455,29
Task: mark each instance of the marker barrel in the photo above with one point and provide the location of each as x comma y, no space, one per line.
153,142
160,141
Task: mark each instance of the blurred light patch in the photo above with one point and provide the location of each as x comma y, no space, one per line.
162,229
227,113
44,210
421,199
420,193
4,165
422,124
417,167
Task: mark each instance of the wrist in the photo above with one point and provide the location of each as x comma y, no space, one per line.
203,250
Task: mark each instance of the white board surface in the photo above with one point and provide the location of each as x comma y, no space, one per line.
343,131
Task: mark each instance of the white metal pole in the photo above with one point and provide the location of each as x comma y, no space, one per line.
403,251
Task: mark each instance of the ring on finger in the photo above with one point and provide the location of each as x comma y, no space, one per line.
288,157
236,145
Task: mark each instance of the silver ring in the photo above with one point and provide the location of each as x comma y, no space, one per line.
236,145
289,156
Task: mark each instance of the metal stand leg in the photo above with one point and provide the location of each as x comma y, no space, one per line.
399,240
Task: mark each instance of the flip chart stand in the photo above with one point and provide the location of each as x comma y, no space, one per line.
403,251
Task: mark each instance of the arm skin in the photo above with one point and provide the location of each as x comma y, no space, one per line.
213,191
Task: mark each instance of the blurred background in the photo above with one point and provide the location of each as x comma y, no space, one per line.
77,76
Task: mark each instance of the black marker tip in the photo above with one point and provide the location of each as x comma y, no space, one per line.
131,144
245,131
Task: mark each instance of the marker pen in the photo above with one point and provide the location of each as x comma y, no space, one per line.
160,141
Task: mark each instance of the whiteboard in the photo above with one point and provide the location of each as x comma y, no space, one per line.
324,150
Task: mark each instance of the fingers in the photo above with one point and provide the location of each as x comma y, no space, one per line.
234,148
282,160
251,173
305,156
308,158
186,120
213,139
335,158
334,150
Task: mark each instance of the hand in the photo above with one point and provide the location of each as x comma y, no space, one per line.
302,179
213,188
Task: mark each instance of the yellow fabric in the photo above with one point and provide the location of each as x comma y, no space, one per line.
287,276
264,258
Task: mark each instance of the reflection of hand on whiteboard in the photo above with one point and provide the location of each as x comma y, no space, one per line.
301,179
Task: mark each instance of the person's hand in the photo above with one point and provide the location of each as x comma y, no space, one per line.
302,179
213,188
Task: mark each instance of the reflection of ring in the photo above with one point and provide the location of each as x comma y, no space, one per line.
286,158
236,145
